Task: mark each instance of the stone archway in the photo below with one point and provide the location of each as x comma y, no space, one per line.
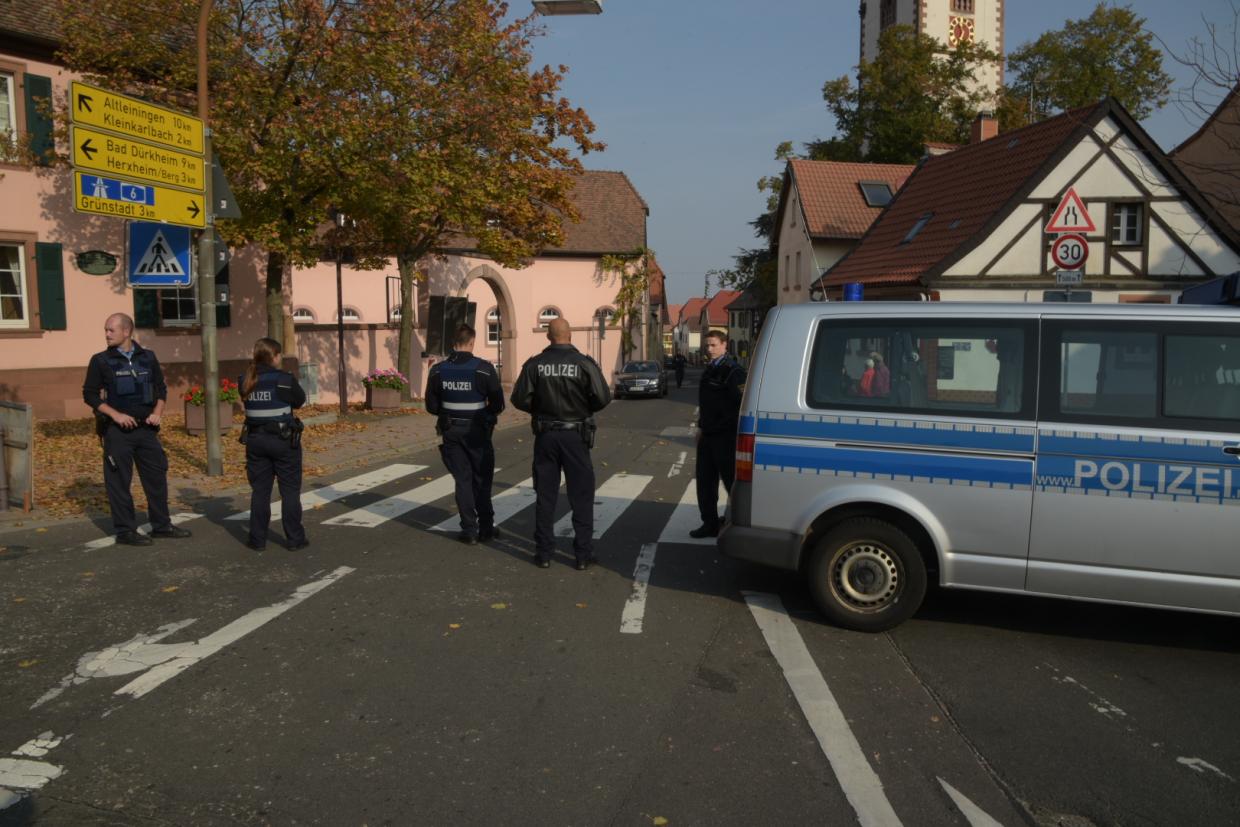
506,363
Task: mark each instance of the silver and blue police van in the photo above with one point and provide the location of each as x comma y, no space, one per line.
1069,450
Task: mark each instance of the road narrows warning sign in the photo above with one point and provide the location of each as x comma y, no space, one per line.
1071,216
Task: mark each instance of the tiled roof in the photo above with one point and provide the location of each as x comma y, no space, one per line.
31,19
691,312
613,218
831,197
1208,157
747,300
717,308
673,312
965,192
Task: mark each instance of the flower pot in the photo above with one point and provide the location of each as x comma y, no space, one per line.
196,418
382,399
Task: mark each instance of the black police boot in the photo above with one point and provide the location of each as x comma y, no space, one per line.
488,534
542,562
468,538
133,538
584,563
171,533
705,531
255,545
299,545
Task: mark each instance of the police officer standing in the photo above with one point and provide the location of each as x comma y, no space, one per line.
131,378
464,392
719,407
561,388
272,438
678,364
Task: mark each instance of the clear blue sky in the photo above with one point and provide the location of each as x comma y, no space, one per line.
692,98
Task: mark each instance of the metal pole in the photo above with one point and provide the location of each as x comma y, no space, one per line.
342,384
206,266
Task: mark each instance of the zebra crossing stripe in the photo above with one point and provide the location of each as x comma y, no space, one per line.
635,607
611,499
342,489
506,503
378,513
686,518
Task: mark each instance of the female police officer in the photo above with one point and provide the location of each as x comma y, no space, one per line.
272,438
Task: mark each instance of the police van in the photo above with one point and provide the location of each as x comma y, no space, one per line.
1072,450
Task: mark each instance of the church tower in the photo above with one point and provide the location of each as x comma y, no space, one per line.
948,21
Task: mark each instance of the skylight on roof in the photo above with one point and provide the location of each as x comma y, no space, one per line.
877,193
918,227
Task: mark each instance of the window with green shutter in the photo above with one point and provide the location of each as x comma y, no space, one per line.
39,118
49,263
145,308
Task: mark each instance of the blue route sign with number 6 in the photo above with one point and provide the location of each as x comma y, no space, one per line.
159,255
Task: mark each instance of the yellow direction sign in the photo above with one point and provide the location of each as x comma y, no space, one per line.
133,118
101,152
104,195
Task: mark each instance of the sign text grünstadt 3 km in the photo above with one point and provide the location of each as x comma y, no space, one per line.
134,159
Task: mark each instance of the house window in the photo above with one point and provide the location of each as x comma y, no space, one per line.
13,301
547,315
965,6
8,105
797,282
787,268
1126,221
303,315
493,326
876,193
178,307
918,227
608,315
350,314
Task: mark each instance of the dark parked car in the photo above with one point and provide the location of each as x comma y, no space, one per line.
640,379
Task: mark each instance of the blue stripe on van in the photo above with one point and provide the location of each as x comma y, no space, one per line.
886,431
1144,447
747,424
933,467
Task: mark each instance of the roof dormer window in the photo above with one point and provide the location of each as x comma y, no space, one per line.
876,193
918,227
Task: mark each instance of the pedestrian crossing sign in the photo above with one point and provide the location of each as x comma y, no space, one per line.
159,255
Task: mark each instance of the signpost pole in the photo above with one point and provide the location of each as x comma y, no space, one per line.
206,267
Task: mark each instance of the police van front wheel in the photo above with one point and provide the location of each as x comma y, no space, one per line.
866,574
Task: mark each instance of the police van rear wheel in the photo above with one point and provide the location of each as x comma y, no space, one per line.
866,574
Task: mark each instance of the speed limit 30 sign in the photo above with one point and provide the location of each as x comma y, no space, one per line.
1070,251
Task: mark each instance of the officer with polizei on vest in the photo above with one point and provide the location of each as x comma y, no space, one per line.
128,423
562,388
272,437
465,393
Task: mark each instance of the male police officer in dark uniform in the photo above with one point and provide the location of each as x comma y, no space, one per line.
464,392
719,407
273,445
561,388
130,376
678,363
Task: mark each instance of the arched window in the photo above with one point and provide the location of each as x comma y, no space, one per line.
351,315
547,315
303,315
608,314
493,326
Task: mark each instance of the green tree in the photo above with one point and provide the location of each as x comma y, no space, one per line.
1110,52
633,271
465,142
915,90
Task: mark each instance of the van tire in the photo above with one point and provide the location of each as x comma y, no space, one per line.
866,574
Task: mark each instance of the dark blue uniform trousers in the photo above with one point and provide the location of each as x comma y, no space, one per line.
268,458
553,451
121,450
470,459
716,460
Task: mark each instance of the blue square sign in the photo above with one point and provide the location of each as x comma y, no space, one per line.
159,255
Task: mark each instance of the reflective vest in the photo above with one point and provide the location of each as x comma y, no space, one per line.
130,385
461,398
267,403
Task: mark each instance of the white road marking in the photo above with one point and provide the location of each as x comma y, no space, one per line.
23,774
137,654
145,528
381,511
1200,765
674,471
635,606
199,650
975,815
342,489
507,504
686,518
610,501
856,777
676,431
40,746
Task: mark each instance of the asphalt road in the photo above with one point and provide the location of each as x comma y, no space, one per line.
390,675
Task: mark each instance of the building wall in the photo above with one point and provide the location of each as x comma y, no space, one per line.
932,17
795,264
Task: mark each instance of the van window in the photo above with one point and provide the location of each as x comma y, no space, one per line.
1203,377
922,366
1108,373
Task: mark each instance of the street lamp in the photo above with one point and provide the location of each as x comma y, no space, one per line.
553,7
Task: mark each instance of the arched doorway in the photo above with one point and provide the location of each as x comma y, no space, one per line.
495,322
